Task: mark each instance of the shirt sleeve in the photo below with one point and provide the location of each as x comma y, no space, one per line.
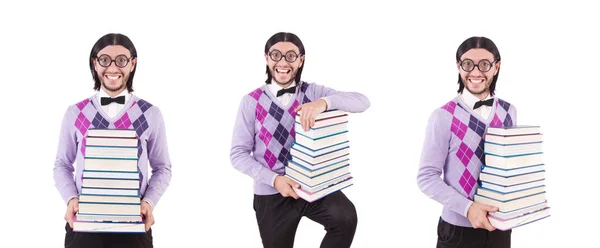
242,145
352,102
433,158
65,158
159,160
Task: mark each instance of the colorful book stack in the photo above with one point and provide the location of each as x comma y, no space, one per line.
110,199
319,158
512,177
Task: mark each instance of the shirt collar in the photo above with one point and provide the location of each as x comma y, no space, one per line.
102,93
274,87
471,99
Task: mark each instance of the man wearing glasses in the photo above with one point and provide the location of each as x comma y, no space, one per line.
453,146
263,135
113,61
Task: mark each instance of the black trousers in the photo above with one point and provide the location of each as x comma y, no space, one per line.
105,240
467,237
278,218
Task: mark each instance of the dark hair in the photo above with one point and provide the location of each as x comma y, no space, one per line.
285,37
478,42
112,40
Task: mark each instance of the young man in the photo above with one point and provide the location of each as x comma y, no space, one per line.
113,61
262,138
454,146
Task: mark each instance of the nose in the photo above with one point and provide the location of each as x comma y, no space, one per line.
112,68
476,72
282,62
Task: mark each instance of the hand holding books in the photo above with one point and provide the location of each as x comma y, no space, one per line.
478,215
309,113
285,186
72,209
146,212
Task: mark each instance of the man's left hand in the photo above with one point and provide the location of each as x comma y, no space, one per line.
147,213
309,112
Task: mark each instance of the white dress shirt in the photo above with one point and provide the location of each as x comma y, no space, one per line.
470,99
287,97
113,108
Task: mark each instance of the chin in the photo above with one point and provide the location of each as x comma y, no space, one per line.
479,88
477,92
114,88
284,80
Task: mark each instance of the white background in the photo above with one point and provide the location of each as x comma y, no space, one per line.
196,62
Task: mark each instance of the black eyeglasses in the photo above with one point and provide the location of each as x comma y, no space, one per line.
484,65
120,61
290,56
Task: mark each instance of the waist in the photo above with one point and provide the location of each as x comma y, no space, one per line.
264,189
455,218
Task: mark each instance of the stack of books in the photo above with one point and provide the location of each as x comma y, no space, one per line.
512,177
319,158
110,199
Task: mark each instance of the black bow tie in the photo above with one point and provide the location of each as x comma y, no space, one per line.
290,90
108,100
487,102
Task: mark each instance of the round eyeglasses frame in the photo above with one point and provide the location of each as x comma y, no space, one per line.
275,52
110,60
476,65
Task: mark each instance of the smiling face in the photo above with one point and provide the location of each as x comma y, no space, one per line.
477,81
284,70
114,77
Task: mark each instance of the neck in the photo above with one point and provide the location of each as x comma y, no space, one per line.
286,85
112,93
482,95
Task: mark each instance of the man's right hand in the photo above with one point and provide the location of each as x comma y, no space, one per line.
284,186
72,209
477,215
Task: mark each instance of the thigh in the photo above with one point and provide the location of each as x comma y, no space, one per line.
499,239
126,240
82,239
332,210
277,218
449,236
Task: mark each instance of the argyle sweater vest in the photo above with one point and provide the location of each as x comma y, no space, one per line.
275,123
138,115
454,146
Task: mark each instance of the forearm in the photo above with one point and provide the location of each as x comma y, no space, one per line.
64,182
65,157
157,185
242,161
159,160
352,102
432,185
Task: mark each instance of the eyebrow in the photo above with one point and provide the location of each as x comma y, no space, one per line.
285,51
112,56
490,60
